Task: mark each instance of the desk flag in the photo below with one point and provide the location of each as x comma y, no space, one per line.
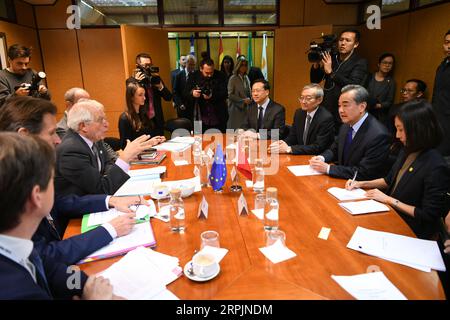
243,166
218,174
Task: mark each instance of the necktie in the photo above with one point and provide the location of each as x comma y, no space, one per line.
260,118
95,151
39,268
347,144
151,108
305,133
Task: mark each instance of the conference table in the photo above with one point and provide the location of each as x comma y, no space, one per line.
305,207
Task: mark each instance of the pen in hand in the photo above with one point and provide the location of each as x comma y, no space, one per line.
354,178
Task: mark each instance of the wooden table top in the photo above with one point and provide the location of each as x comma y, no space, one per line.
305,207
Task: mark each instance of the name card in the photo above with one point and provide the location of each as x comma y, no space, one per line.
242,205
203,209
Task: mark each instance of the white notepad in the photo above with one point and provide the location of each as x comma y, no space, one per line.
362,207
343,194
303,170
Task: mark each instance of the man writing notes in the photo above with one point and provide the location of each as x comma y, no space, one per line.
362,145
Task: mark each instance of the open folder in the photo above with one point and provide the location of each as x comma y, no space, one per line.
141,235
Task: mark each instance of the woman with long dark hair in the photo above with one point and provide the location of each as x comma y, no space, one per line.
132,123
227,66
417,184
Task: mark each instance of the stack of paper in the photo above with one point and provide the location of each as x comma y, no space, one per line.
303,170
143,275
415,253
138,186
361,207
172,146
369,286
277,252
93,220
187,139
344,194
141,235
156,171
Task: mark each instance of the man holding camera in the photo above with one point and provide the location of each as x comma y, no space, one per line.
206,96
339,70
147,75
18,79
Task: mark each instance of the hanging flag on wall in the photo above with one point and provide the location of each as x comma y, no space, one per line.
208,49
178,52
264,57
238,48
220,50
192,45
250,51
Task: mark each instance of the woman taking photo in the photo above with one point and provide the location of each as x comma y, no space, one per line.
418,182
132,123
381,88
238,95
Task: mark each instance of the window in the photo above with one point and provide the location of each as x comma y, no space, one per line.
241,12
191,12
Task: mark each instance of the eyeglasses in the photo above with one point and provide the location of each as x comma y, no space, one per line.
307,98
407,90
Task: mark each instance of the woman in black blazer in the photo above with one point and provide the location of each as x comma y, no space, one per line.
132,122
417,184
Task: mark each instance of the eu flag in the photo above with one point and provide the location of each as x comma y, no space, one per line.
218,174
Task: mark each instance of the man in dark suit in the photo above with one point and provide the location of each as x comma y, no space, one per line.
149,78
174,73
179,87
26,116
264,116
26,197
205,97
83,166
312,130
339,70
362,146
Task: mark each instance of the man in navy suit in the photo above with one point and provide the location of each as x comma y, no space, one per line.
26,197
27,115
312,130
362,146
184,110
174,73
264,115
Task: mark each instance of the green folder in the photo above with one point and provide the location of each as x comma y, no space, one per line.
86,228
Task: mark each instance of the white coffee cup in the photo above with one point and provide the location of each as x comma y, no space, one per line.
204,265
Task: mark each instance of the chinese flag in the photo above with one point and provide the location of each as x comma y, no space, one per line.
243,166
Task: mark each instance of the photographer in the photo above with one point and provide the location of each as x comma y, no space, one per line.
18,79
338,70
206,96
147,75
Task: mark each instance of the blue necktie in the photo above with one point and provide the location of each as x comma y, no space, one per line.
347,144
41,279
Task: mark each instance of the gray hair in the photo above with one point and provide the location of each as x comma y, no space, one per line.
72,95
360,93
318,89
190,57
83,111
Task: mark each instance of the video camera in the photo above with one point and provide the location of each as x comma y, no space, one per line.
150,74
317,50
34,85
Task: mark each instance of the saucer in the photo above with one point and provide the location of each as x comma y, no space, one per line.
193,277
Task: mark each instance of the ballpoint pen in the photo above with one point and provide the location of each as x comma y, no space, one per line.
354,177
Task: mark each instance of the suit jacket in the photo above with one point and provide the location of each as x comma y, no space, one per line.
165,93
320,134
76,169
274,118
178,96
47,239
368,152
424,185
218,99
441,103
352,71
17,283
173,75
